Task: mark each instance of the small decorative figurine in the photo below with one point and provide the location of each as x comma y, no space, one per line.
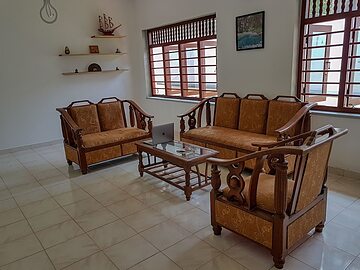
67,50
76,71
94,68
106,25
118,51
117,68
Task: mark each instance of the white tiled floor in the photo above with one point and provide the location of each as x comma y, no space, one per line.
52,217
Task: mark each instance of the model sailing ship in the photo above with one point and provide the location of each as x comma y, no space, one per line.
106,25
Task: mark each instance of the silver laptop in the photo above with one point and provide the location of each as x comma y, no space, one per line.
162,134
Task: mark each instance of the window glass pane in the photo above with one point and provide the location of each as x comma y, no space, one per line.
159,84
209,70
174,78
174,63
209,86
159,78
190,70
174,70
208,61
156,50
159,71
191,54
209,78
158,64
192,62
191,93
157,57
160,91
192,78
174,55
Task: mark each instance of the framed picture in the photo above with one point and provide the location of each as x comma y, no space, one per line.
250,31
94,48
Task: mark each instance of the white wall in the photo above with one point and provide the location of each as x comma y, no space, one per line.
31,84
270,71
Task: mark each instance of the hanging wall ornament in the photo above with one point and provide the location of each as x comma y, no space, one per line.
48,13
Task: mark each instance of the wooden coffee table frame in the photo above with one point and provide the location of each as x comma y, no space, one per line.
177,171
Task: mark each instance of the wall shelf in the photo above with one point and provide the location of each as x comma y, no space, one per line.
108,37
93,54
96,72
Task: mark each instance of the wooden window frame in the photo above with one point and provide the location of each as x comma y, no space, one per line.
324,11
192,33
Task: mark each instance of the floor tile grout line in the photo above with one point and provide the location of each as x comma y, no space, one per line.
34,235
300,261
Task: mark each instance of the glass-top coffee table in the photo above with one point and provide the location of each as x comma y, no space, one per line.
176,163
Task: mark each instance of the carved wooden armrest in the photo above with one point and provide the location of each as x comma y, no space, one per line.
137,108
235,180
76,130
195,115
140,116
299,116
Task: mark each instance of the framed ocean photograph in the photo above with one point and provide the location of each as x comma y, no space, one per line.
250,31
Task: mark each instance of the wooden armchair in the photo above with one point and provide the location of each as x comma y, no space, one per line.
273,210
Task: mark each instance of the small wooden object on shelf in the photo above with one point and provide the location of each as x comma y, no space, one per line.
94,49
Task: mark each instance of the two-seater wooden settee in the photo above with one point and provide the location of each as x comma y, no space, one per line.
239,126
98,132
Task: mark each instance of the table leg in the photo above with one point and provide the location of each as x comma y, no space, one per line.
188,189
141,165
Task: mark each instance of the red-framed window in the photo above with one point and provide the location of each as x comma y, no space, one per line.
183,59
329,56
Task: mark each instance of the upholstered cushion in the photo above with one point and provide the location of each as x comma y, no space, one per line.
110,115
265,191
253,115
227,112
314,175
280,112
86,117
228,137
112,136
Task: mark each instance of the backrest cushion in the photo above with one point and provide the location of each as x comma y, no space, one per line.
253,115
280,113
227,112
111,115
314,175
86,117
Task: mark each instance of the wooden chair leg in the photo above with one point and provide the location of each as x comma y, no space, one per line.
279,262
83,162
319,228
217,229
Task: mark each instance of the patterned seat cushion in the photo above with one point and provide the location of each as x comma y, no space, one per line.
265,191
228,137
118,135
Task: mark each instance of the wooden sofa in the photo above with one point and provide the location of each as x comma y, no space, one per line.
239,126
106,130
275,211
